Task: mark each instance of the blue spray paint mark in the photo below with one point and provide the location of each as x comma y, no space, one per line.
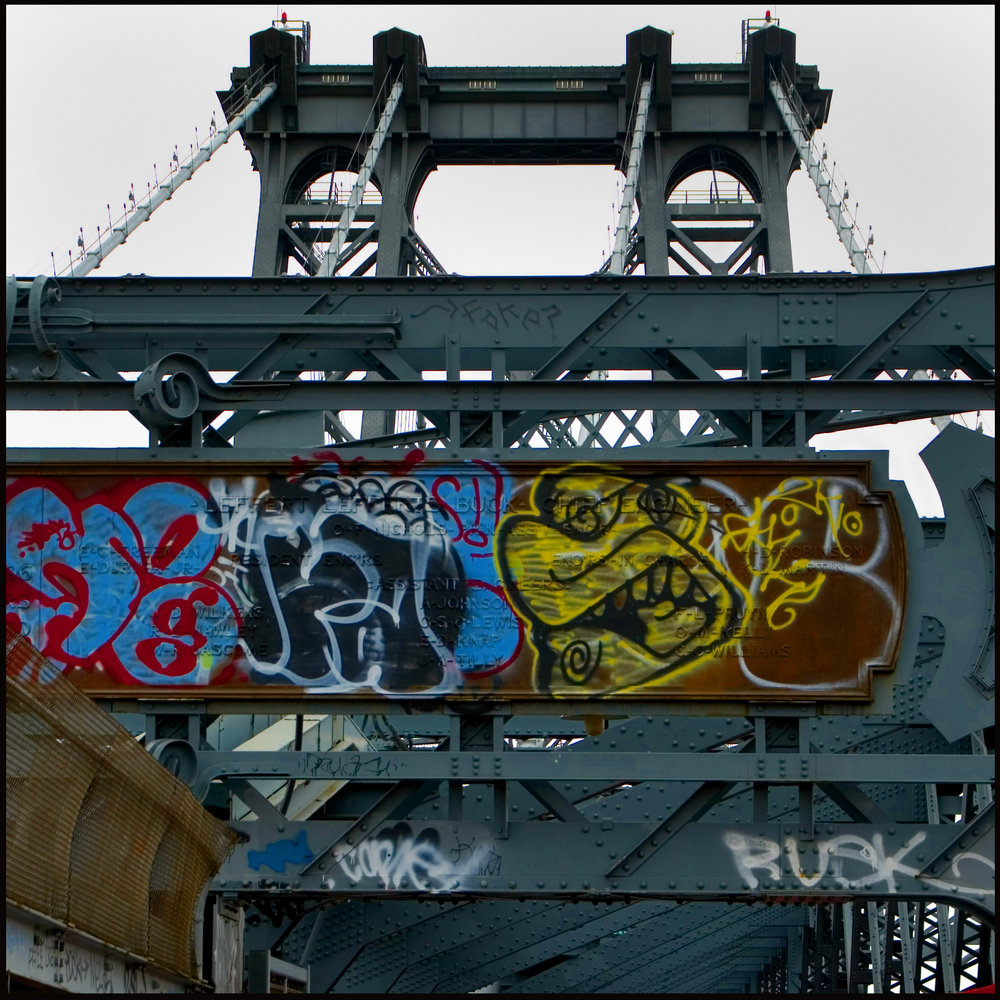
279,853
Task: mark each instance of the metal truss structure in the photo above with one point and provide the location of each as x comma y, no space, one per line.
504,845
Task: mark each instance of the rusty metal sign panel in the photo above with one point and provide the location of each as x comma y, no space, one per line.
712,580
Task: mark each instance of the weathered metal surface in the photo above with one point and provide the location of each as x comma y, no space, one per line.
796,796
43,954
705,860
719,580
133,321
816,352
116,811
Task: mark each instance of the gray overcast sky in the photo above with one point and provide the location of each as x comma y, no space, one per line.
96,95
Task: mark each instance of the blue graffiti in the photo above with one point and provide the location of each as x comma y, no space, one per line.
279,853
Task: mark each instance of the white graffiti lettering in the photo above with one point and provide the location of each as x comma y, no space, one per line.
397,859
342,575
850,861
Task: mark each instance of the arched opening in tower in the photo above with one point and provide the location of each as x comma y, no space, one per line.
717,213
325,200
714,215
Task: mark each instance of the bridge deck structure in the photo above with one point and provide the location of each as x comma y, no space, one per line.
517,677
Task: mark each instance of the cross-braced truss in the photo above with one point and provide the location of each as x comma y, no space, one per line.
449,845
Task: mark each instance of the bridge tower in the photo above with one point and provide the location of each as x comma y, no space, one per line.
703,119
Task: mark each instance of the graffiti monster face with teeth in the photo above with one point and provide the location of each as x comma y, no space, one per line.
614,578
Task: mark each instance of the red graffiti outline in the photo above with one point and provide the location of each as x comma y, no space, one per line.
496,668
73,589
465,535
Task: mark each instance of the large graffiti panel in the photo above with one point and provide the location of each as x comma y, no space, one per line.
419,578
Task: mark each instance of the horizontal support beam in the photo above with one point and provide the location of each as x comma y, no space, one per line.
549,398
134,321
577,111
788,769
736,862
60,958
693,212
718,234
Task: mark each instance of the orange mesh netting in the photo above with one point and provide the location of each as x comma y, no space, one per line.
99,835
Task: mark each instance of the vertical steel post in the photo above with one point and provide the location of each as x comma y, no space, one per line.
946,942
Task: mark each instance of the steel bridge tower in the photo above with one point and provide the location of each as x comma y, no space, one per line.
701,118
512,681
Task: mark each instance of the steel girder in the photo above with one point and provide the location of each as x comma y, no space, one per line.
650,947
769,808
598,821
450,851
523,939
597,941
811,353
658,809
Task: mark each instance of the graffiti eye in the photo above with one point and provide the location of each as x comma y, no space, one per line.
584,516
663,506
579,660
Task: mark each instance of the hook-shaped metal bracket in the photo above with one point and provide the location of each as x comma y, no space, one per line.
44,290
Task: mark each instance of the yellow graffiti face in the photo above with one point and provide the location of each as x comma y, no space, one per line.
614,579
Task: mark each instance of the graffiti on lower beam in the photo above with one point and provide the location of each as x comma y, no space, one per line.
396,858
850,861
418,578
50,956
281,853
88,970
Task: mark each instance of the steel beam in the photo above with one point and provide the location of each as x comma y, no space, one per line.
525,765
566,870
770,861
552,398
46,955
833,317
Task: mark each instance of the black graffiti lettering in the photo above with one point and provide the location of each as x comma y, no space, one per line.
353,577
550,313
450,309
353,766
491,863
504,311
362,559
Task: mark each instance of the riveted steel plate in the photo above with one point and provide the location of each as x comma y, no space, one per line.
702,580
